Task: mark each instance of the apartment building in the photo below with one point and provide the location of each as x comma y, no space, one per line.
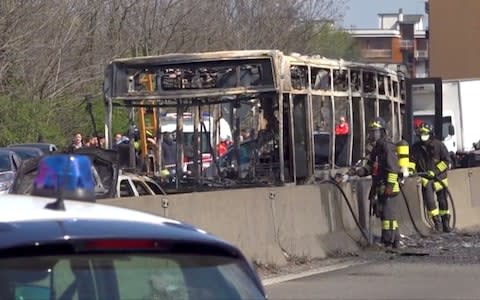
399,39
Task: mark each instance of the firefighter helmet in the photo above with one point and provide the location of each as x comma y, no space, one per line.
424,128
376,129
424,131
377,123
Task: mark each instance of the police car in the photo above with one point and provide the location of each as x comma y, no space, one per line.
52,248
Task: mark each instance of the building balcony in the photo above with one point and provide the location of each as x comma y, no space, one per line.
376,53
421,54
421,75
407,44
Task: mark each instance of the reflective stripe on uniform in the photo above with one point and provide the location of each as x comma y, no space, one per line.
396,187
412,165
443,212
386,225
424,130
392,178
424,181
438,186
389,224
442,166
434,212
394,224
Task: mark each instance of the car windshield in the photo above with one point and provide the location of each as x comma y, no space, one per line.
125,277
5,164
25,153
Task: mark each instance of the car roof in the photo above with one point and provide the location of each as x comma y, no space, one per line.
33,144
4,151
32,208
42,146
124,175
22,218
23,148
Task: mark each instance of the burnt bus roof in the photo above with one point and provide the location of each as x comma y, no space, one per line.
172,58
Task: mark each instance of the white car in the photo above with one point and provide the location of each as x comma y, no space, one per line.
134,185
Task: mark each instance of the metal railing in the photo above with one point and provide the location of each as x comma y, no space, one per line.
421,54
406,44
376,53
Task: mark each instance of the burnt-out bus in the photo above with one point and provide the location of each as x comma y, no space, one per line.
290,116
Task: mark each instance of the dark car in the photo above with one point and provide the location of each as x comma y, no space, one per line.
52,248
10,162
25,152
106,170
45,147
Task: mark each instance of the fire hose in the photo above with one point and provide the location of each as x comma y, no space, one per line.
349,205
449,197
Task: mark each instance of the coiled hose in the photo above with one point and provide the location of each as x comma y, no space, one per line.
350,208
428,220
450,200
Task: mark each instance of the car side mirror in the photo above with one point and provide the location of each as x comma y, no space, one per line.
451,129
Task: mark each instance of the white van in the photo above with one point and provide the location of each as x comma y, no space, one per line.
449,137
206,128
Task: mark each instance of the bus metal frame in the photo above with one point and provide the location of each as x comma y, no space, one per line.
290,89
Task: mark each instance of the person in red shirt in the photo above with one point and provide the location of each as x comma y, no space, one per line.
222,147
342,128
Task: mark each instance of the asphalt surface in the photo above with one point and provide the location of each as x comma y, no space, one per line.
440,267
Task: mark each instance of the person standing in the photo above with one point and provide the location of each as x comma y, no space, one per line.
382,164
430,157
342,127
77,142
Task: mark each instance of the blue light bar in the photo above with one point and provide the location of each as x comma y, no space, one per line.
65,176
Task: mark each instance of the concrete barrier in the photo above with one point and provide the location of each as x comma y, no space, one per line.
273,225
464,185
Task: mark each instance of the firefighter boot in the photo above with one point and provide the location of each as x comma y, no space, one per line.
446,223
387,238
437,223
396,240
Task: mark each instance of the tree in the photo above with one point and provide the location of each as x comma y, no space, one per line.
333,43
54,52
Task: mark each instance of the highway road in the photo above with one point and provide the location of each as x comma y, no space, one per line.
446,267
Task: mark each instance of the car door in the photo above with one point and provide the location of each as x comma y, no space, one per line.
126,188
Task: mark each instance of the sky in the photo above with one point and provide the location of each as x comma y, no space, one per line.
362,14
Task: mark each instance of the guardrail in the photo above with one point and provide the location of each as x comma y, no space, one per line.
421,54
376,53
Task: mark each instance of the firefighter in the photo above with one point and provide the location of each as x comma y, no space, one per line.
430,157
382,164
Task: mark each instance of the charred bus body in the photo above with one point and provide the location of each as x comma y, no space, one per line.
290,116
